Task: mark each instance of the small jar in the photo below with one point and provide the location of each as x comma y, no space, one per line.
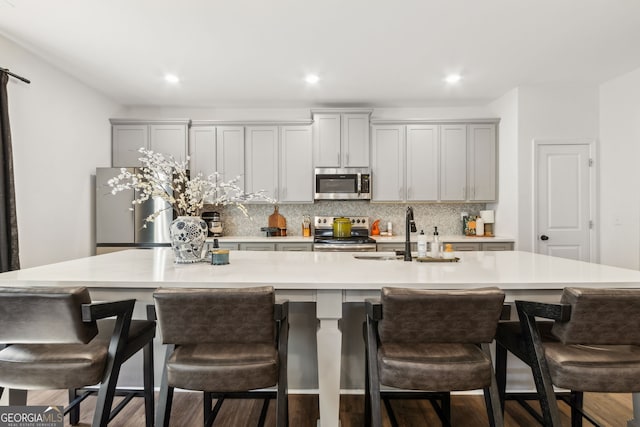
220,256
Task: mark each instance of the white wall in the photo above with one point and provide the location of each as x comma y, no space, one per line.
620,171
61,133
551,113
506,210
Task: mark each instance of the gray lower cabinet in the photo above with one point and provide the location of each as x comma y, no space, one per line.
465,247
224,245
257,246
482,246
497,246
298,247
399,246
275,246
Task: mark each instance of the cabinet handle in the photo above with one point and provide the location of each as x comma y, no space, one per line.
409,192
347,159
338,157
400,193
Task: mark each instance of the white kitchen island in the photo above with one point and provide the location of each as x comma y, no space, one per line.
326,279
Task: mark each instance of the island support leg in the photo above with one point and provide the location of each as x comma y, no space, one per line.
329,340
635,422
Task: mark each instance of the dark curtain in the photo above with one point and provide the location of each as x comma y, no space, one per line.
9,254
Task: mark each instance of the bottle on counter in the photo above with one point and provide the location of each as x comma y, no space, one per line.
422,245
435,244
389,229
479,227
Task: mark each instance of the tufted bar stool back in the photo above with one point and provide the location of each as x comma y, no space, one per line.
225,343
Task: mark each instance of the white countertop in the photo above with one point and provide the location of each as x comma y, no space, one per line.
150,268
379,239
451,239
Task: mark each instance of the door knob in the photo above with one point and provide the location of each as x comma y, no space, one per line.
543,237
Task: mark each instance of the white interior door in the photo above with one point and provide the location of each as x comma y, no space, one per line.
564,200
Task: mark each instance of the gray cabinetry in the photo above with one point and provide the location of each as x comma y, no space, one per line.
466,247
261,160
482,163
257,246
395,246
453,163
163,136
296,247
497,246
296,165
341,138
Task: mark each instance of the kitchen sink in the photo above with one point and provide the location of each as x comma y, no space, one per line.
379,257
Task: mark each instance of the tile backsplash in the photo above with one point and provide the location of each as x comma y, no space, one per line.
445,216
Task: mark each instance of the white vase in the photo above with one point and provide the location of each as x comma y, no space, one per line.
188,234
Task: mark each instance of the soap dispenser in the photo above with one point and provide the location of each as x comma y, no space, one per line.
422,245
435,245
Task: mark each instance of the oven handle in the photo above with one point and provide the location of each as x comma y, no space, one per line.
328,247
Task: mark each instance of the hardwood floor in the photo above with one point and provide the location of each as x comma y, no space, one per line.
466,410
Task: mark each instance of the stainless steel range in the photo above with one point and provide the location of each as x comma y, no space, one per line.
359,241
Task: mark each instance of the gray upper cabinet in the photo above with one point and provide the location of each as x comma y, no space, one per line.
431,162
341,139
453,163
261,160
202,150
404,163
274,158
387,163
230,153
482,163
128,136
422,170
296,167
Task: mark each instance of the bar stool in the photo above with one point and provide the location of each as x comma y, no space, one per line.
55,340
591,345
435,341
226,343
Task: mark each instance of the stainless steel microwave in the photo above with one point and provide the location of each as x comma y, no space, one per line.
342,184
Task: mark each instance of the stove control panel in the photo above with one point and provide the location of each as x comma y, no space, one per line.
326,222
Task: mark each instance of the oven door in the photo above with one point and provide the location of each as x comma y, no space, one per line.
342,247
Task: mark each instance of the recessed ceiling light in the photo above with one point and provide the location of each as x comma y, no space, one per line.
312,79
453,78
171,78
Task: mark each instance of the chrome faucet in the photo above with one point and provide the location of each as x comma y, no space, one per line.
410,227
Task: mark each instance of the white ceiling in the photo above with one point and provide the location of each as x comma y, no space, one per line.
366,52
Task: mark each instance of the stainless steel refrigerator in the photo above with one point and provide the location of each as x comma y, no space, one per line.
120,224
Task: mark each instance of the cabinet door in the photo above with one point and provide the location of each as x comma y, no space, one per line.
465,247
202,150
261,160
294,247
126,140
230,153
257,246
453,162
387,163
482,162
499,246
355,140
170,140
422,163
296,167
326,140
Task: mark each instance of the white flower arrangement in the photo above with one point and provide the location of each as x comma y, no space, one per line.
169,179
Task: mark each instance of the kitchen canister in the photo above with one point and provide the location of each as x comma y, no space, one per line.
220,256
